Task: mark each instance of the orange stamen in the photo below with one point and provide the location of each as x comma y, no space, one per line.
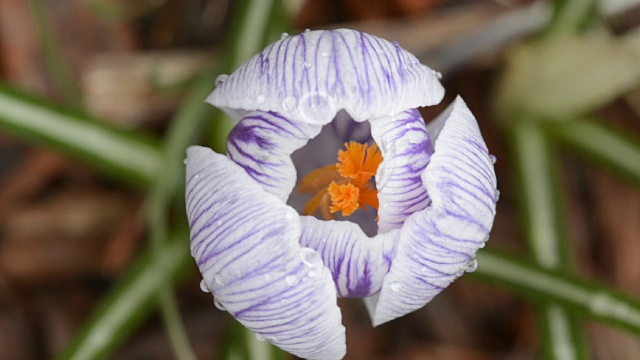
368,196
316,201
356,165
344,198
344,186
319,179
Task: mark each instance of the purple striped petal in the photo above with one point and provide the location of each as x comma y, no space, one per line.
245,242
358,263
437,244
406,148
313,75
262,143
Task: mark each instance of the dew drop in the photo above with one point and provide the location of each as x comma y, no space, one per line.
260,337
472,266
493,159
204,287
219,222
307,30
486,238
273,338
185,161
396,286
220,280
313,273
289,215
307,65
497,194
261,99
284,36
324,54
221,79
482,245
310,257
218,305
423,269
439,75
291,280
289,103
267,276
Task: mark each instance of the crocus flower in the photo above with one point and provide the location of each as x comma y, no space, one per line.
279,270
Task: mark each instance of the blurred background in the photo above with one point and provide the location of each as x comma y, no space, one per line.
99,99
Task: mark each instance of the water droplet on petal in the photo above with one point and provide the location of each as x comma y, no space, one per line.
219,305
260,337
284,36
220,279
497,194
313,273
423,269
307,65
493,159
310,257
486,238
481,245
261,99
289,215
221,79
472,266
219,222
289,103
324,54
291,280
185,161
396,286
204,287
307,30
273,338
267,276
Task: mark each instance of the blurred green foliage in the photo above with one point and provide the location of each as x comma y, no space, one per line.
549,86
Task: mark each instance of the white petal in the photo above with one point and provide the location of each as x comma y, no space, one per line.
311,76
262,143
406,148
245,242
358,263
437,244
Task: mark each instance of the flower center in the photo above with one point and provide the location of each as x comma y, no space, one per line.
345,186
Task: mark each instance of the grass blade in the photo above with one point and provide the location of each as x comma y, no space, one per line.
543,213
133,299
587,298
54,60
609,147
134,158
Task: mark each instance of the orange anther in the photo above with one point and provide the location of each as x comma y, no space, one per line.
359,163
344,198
344,186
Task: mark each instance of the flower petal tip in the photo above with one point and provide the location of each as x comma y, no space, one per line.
438,244
245,243
312,75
